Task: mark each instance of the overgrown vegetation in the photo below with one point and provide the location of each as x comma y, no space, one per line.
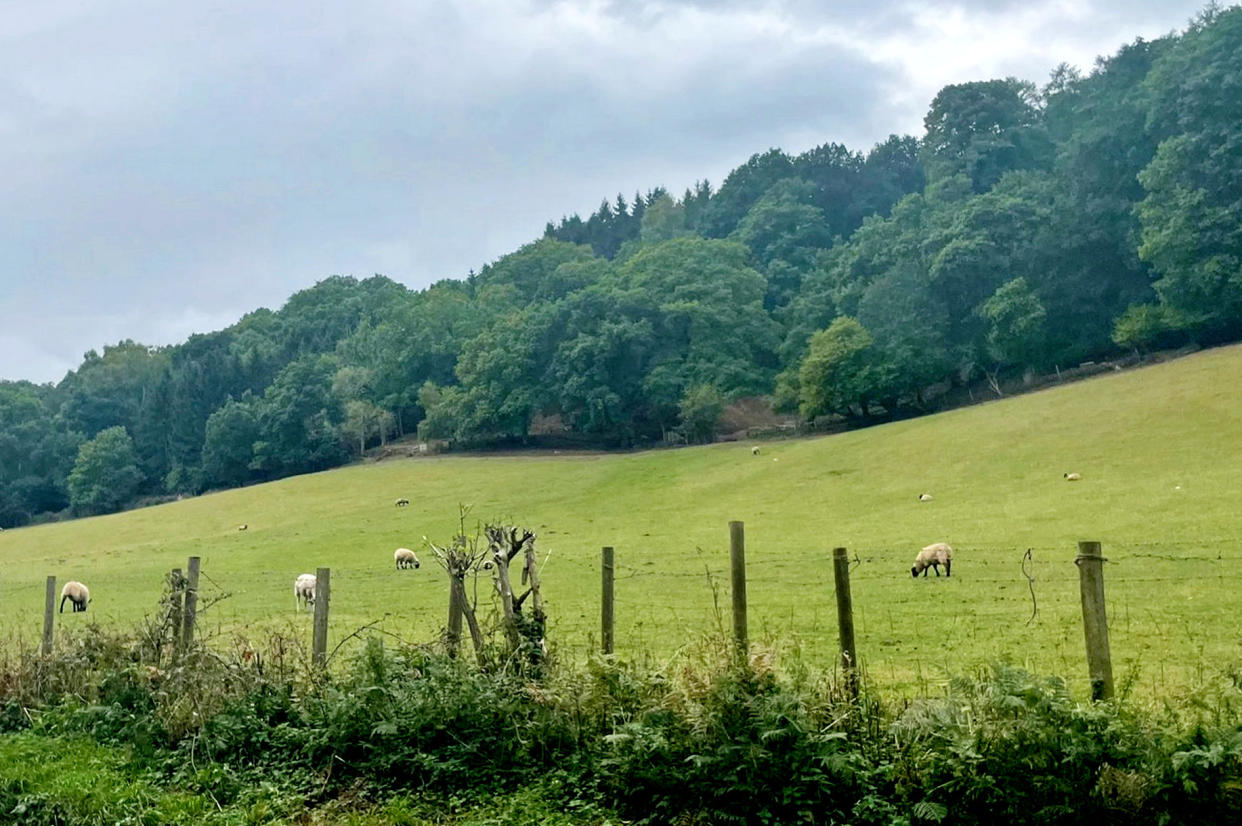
1030,228
409,735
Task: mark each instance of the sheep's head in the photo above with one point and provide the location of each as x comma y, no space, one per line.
914,571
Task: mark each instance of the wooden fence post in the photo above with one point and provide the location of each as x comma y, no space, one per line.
737,560
190,614
1094,621
319,643
49,615
607,614
453,638
174,608
845,619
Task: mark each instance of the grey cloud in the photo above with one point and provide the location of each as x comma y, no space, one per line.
169,166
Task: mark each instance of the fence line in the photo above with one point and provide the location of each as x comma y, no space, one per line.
1129,564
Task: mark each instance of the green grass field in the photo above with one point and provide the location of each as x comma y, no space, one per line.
1160,450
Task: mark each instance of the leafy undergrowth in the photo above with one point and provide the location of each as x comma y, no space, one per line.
71,780
45,780
408,735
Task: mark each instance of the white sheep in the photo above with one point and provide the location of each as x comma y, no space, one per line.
933,556
402,502
77,594
243,527
754,451
303,591
925,497
1073,477
405,558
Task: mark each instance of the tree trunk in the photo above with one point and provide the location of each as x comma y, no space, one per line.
467,610
506,595
532,575
994,382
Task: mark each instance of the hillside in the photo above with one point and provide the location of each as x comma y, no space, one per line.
1160,450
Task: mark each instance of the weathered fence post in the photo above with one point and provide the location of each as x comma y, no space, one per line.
607,605
49,615
453,638
190,614
319,643
845,619
737,560
1094,621
176,598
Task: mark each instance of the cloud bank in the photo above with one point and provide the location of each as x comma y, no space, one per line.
169,167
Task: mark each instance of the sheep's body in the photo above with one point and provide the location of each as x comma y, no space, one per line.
754,451
405,558
933,556
1073,477
303,591
77,594
402,502
925,497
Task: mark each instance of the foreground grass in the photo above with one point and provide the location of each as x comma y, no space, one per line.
55,780
67,781
1160,450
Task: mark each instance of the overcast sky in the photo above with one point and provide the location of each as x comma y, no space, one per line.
167,167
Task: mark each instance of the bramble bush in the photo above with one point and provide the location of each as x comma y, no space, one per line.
702,739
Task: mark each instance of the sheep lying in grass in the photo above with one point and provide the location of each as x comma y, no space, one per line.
405,558
925,497
933,556
1073,477
77,594
243,527
303,591
402,502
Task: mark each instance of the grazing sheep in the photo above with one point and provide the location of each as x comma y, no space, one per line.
402,502
1073,477
925,497
303,591
405,558
242,527
77,594
754,451
933,556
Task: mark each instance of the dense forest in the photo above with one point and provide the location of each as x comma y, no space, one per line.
1028,228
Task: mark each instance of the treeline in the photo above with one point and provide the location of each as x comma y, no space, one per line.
1028,228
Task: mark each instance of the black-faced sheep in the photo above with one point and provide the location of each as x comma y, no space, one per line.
243,527
754,451
925,497
405,558
303,591
1073,477
933,556
77,594
402,502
